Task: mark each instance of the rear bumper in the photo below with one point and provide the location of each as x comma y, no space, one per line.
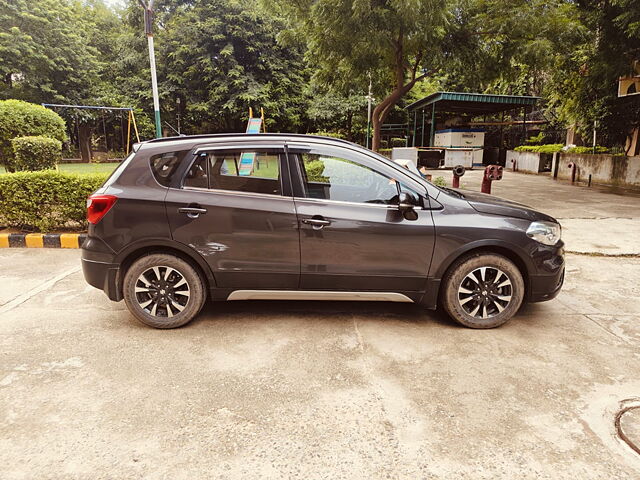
102,275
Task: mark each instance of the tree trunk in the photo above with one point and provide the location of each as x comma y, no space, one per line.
381,110
84,142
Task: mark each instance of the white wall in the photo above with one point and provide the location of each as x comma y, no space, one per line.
525,161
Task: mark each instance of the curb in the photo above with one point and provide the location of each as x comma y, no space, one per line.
42,240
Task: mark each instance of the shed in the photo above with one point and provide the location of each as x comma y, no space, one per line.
426,110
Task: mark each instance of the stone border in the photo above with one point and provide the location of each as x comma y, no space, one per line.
42,240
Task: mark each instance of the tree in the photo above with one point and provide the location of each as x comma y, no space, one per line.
396,41
583,88
45,55
221,64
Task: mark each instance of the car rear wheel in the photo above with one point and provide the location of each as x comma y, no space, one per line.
163,291
483,290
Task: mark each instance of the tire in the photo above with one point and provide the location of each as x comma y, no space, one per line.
497,298
176,282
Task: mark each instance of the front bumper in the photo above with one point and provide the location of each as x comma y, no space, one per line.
545,287
546,281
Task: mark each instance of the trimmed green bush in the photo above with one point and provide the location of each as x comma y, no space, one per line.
36,153
398,142
20,119
549,148
557,147
46,200
581,150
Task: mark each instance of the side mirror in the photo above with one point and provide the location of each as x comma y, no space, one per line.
407,201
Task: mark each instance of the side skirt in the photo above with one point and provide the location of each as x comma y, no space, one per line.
318,295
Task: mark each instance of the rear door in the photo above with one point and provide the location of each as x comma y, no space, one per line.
234,206
352,234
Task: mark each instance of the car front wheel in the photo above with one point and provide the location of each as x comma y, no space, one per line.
483,290
163,291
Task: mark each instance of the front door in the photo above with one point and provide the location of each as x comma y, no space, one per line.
352,234
239,217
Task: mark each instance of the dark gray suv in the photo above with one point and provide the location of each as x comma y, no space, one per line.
274,216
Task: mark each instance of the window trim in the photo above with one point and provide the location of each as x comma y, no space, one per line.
218,191
385,206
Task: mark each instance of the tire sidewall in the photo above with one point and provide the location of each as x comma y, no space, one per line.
196,287
465,266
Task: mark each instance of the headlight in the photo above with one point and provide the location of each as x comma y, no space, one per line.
548,233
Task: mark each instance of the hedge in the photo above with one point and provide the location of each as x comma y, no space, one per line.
46,200
36,153
558,147
580,150
549,148
20,119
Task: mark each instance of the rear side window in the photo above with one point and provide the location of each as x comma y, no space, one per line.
250,171
164,166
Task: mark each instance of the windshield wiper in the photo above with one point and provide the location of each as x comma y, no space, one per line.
454,192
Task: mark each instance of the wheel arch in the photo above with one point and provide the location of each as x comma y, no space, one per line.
129,255
433,295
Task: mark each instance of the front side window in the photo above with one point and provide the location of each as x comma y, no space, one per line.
329,177
241,171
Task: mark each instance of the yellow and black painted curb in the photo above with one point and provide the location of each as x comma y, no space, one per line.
42,240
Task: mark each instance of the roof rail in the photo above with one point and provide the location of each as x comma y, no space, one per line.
256,135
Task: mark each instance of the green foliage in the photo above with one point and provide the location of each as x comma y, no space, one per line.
549,148
385,151
222,64
536,139
20,119
440,182
398,142
314,170
558,147
46,52
43,201
329,134
581,150
36,152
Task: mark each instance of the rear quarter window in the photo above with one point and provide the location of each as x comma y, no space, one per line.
165,165
118,171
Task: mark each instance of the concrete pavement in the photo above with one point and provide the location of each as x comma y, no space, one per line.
311,390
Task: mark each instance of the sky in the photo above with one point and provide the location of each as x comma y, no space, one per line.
114,3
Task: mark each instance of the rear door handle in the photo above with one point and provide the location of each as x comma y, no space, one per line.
193,212
316,223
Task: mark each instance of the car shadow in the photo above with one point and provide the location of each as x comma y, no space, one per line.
327,310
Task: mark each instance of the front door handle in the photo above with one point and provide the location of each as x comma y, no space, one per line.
193,212
316,223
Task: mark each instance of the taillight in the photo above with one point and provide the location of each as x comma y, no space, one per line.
98,206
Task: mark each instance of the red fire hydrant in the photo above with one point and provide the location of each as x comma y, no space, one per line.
491,173
458,171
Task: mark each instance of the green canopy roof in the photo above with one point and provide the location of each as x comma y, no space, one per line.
472,103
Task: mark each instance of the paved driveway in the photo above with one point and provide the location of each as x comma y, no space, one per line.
316,390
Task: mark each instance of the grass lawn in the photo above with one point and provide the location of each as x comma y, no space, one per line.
84,167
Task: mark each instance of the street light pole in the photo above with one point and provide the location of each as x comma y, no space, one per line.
369,100
148,30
